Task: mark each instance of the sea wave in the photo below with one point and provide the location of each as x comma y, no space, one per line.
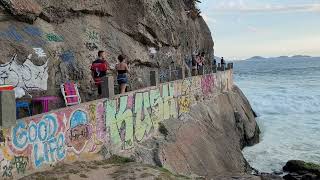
286,96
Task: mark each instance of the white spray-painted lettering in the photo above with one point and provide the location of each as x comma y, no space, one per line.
40,52
26,75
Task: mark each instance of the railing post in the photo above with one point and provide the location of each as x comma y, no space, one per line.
214,68
7,109
228,66
223,67
107,86
219,66
154,78
181,73
170,73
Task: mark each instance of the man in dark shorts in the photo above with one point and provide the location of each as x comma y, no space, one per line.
99,69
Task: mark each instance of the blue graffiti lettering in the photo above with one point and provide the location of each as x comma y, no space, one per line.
61,151
20,136
32,132
12,33
67,56
48,144
32,31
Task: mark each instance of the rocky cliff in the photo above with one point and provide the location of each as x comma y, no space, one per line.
204,121
45,43
208,140
196,126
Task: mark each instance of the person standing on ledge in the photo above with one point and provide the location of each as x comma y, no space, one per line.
223,63
200,62
194,64
99,70
122,70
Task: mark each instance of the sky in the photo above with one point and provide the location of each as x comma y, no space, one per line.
269,28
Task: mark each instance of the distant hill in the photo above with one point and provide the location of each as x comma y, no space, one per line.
301,56
282,57
256,57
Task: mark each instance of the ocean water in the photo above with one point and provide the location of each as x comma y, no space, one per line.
286,96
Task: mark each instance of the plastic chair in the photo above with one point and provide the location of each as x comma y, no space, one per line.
70,93
23,105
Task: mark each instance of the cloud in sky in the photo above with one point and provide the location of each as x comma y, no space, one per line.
304,45
244,28
242,6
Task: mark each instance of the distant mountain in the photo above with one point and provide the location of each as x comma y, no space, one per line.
256,58
301,56
282,57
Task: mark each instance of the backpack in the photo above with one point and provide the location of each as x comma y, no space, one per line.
99,68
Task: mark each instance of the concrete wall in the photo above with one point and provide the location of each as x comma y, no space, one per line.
108,126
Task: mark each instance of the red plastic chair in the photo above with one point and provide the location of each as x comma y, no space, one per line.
70,93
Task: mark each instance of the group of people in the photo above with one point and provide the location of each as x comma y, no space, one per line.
223,62
198,63
100,67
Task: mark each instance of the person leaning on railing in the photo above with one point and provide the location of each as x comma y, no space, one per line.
194,65
200,62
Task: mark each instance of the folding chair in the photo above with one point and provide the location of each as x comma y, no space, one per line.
70,93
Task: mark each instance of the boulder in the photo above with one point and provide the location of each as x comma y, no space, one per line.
24,10
207,141
300,170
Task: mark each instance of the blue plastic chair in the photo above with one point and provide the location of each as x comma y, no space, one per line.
23,105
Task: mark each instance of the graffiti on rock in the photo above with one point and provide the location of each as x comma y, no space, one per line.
67,56
12,34
92,35
33,31
44,138
102,127
207,84
7,170
40,52
26,75
29,35
2,137
20,163
80,131
164,75
149,109
142,110
120,123
184,105
91,46
52,37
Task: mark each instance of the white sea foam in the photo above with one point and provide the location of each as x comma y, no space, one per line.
286,96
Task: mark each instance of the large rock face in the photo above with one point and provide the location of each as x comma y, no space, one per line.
64,37
208,141
195,126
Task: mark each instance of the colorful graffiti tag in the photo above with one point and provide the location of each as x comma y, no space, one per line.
80,131
44,138
27,75
115,125
149,109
